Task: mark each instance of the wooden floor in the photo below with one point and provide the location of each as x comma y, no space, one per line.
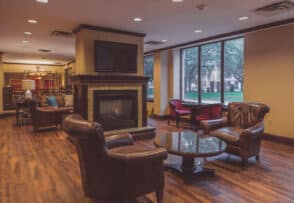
43,167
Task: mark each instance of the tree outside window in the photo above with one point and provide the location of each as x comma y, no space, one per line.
233,70
216,86
148,71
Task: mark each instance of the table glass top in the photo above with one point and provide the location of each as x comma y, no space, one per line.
190,143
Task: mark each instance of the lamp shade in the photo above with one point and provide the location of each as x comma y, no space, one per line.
28,84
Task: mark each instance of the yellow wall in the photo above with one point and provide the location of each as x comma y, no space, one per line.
163,82
20,68
85,48
269,76
157,83
1,83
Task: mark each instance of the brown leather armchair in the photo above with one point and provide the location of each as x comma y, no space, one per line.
115,169
242,129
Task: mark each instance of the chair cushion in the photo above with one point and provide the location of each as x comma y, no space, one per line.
60,101
230,135
216,111
68,100
43,101
203,113
52,101
183,112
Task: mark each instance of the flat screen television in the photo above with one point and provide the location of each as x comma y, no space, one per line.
115,57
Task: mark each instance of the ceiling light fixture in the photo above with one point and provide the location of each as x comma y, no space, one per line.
177,1
32,21
42,1
164,40
198,31
243,18
137,19
28,33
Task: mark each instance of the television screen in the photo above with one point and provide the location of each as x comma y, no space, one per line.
115,57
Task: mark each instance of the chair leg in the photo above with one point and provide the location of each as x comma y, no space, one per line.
168,121
159,196
177,121
244,162
257,157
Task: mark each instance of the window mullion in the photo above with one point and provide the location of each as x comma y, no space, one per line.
222,72
199,75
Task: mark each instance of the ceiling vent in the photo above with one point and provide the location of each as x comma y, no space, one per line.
152,42
275,9
44,50
57,33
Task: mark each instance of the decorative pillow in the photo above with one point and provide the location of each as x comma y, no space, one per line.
68,100
60,101
51,100
43,101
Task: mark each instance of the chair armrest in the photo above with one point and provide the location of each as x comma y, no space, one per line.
256,130
210,125
133,157
119,140
250,140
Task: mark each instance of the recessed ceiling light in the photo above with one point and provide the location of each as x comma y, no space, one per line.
25,41
243,18
177,1
32,21
28,33
42,1
198,31
164,40
137,19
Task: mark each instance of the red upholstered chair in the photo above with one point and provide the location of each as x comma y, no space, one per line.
215,111
202,113
177,110
208,112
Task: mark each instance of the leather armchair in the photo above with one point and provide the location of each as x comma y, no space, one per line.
114,168
242,129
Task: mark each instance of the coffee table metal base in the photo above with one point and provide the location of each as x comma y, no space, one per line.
188,169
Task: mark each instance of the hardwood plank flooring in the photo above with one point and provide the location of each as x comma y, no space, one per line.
43,167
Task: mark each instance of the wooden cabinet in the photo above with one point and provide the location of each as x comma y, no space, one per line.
8,98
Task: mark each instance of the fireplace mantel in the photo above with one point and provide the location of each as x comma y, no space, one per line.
108,78
86,85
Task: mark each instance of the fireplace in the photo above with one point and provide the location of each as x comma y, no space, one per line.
116,109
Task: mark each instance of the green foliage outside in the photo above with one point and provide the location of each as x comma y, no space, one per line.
214,96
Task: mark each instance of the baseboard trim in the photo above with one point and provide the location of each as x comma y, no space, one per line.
160,117
277,138
7,114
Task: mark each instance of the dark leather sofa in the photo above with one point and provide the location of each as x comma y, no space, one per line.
47,116
242,129
115,169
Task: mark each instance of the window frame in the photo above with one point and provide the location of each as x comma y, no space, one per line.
222,42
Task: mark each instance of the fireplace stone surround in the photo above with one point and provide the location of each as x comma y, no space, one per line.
86,85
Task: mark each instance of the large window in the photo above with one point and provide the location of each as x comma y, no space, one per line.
213,73
148,71
190,74
233,70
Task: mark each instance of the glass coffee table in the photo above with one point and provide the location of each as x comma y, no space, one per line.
189,145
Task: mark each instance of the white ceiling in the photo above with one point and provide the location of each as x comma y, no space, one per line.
162,20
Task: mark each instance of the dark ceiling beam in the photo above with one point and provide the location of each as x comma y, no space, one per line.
107,29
